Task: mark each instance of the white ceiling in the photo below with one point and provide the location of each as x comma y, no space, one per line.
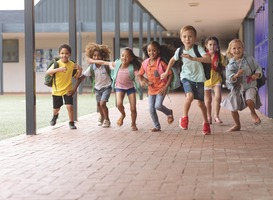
221,18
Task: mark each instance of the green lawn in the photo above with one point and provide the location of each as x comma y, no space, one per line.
13,111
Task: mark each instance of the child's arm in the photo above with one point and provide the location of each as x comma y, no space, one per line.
142,80
79,71
101,62
165,88
170,65
204,59
79,80
52,71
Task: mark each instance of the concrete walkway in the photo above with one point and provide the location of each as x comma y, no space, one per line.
95,163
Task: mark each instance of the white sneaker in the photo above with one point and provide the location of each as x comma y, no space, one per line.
100,121
106,124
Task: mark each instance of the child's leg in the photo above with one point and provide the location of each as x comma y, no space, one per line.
70,112
57,103
103,99
153,113
254,115
132,101
104,110
208,100
218,98
187,104
69,106
203,108
236,118
119,101
159,106
251,99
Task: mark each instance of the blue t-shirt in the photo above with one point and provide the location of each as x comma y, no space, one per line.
191,70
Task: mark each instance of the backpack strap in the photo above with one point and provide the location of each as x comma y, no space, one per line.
195,49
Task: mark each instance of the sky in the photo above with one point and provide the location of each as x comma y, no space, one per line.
14,4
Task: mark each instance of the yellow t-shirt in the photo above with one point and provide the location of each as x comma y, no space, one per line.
63,79
215,77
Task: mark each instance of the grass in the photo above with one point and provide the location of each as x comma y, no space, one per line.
13,111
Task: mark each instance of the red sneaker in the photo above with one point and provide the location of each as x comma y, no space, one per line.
183,122
206,129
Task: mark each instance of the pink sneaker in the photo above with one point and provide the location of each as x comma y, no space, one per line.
183,122
206,129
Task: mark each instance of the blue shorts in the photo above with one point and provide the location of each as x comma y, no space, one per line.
197,88
103,94
127,91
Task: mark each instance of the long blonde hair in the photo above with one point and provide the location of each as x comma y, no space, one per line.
229,55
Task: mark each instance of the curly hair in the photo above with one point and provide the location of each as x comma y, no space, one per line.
103,49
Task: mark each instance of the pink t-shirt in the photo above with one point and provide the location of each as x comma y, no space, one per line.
123,80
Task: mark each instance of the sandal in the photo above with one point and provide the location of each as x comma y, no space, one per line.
155,129
134,128
170,118
120,120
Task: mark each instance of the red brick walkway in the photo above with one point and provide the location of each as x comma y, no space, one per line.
95,163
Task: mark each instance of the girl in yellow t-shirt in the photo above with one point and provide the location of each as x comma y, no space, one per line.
218,62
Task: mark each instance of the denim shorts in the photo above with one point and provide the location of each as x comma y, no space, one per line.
127,91
197,88
103,94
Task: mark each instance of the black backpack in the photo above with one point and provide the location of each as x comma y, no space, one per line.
206,66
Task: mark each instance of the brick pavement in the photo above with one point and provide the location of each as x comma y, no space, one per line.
95,163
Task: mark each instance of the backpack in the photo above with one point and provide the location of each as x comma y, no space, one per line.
206,66
175,83
49,80
260,81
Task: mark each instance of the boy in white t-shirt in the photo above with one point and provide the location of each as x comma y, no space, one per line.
102,80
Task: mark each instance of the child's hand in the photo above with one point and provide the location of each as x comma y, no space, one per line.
71,93
186,56
240,72
163,75
163,91
62,69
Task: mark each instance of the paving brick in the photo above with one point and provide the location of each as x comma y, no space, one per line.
95,163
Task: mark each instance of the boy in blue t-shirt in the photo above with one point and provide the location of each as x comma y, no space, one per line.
192,76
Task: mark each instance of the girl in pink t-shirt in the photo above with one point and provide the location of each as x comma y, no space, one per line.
125,71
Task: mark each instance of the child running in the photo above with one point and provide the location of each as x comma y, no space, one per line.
62,86
102,79
125,71
241,74
218,63
192,76
157,88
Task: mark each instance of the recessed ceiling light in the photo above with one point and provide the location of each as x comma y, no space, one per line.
193,4
198,20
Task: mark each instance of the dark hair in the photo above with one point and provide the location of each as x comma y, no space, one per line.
218,51
65,46
164,51
136,62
